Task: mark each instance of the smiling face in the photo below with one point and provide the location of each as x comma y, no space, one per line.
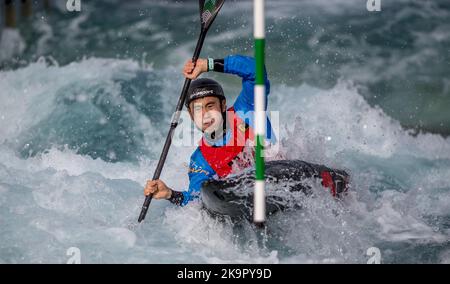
207,113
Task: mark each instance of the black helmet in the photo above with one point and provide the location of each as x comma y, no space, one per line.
204,87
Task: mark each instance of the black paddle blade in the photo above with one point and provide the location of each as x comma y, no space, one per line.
208,11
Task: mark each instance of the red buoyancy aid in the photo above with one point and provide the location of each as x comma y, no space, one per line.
221,158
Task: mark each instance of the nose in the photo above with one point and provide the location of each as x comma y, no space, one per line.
206,114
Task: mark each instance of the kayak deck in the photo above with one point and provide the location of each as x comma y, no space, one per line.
233,196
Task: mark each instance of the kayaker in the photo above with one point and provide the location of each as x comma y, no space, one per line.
227,145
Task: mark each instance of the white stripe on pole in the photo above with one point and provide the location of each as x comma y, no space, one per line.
260,114
258,10
259,214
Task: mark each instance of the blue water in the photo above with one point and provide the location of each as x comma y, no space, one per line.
86,99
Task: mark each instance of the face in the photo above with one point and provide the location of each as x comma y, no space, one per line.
207,113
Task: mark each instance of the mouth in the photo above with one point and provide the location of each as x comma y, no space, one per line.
208,123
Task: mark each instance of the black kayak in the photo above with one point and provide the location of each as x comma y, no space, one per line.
233,197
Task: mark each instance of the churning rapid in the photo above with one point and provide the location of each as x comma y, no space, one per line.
86,99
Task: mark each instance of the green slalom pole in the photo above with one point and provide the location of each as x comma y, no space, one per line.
259,208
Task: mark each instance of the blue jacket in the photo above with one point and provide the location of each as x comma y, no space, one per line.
244,67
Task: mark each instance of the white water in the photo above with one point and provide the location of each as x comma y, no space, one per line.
58,198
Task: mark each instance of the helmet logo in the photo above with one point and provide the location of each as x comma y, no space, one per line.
203,93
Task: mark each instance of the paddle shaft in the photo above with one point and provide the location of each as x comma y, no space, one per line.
173,125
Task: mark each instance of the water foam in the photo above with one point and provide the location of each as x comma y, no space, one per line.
60,198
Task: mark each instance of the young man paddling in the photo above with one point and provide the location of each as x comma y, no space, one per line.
227,145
